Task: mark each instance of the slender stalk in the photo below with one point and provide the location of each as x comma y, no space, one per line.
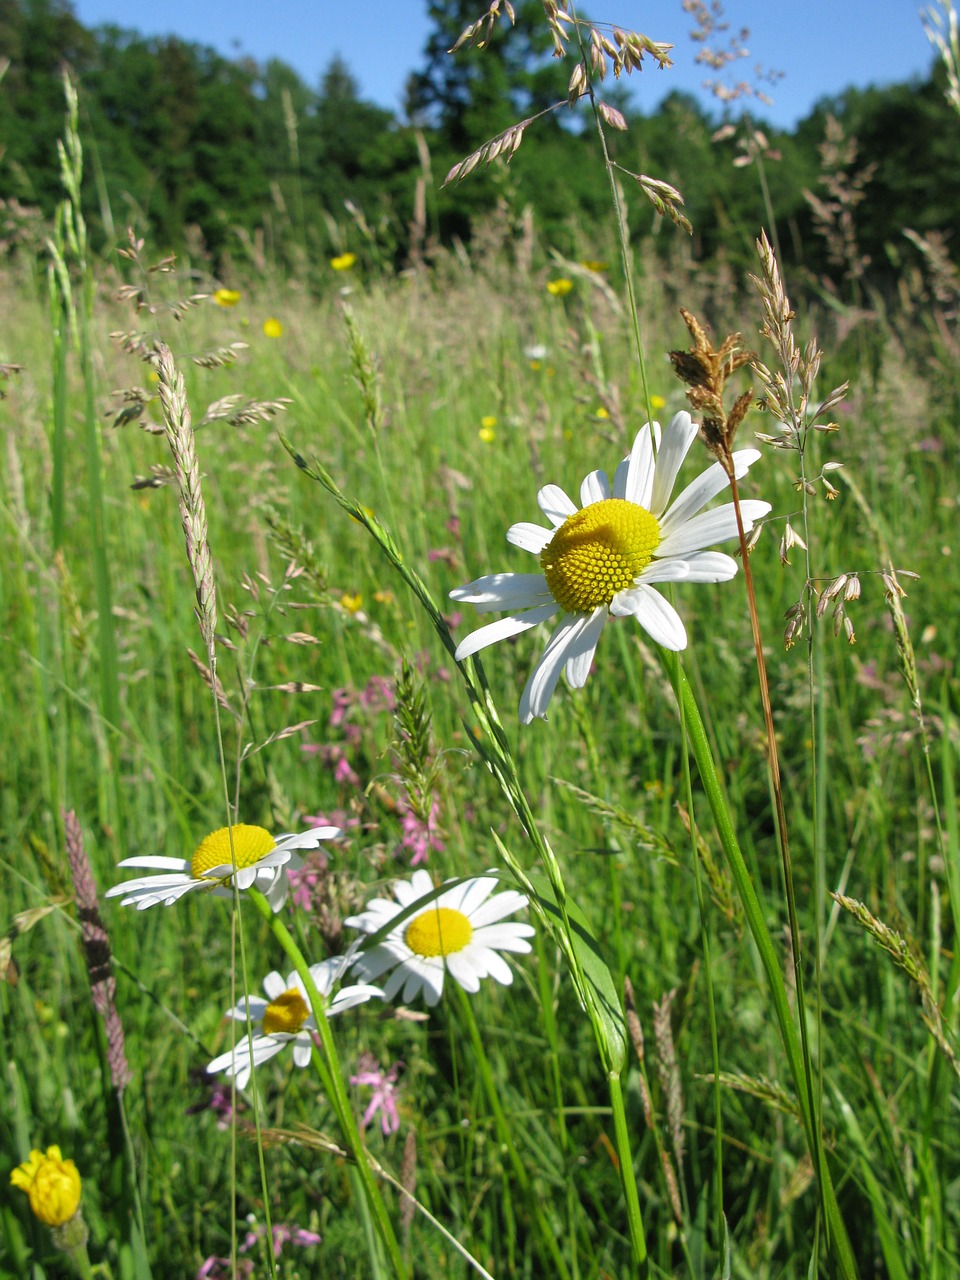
773,760
505,1134
753,913
334,1082
627,1177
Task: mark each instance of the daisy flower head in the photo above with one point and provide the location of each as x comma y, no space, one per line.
284,1018
602,559
461,931
256,858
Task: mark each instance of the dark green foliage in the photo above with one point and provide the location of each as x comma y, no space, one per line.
179,137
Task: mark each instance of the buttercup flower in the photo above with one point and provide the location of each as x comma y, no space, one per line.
559,288
459,932
52,1185
602,559
272,327
285,1018
226,297
343,261
260,861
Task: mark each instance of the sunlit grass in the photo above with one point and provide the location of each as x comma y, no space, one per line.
604,773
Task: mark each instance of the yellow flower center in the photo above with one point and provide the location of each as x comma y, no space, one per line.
439,931
287,1013
597,552
250,844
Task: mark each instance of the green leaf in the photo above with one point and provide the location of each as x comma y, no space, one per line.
601,989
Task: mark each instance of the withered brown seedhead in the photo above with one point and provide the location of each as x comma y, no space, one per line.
705,370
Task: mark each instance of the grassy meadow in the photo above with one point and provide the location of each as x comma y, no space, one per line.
439,401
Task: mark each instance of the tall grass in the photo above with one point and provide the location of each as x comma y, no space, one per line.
512,1154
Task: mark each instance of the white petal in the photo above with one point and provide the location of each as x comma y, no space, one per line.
350,997
420,885
469,898
677,439
376,961
495,908
696,495
543,678
461,967
496,967
511,936
711,526
149,883
555,504
743,460
275,985
710,566
580,659
529,537
634,477
302,1053
657,617
595,488
503,628
274,884
503,591
670,569
158,862
307,839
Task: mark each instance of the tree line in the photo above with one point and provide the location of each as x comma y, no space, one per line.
186,143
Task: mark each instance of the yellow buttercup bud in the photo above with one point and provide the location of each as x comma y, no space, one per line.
52,1185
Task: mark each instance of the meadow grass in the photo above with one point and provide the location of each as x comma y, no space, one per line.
422,398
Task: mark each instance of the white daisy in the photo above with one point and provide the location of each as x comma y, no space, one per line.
285,1018
602,559
259,858
459,932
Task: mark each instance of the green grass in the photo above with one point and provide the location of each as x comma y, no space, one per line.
450,351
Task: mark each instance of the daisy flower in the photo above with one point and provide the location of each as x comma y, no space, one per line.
601,559
285,1018
459,932
260,861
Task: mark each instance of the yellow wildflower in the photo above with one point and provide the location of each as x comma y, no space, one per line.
52,1185
592,264
657,403
488,421
343,261
487,434
272,327
352,603
559,288
226,297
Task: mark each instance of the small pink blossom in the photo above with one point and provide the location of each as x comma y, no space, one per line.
383,1084
343,700
344,773
420,837
378,694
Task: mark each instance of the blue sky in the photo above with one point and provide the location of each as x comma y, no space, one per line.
821,46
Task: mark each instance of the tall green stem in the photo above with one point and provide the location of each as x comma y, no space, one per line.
753,912
334,1084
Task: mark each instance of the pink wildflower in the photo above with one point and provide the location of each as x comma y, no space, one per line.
420,837
383,1084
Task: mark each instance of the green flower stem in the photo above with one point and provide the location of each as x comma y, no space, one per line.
628,1178
494,749
334,1082
839,1239
547,1233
